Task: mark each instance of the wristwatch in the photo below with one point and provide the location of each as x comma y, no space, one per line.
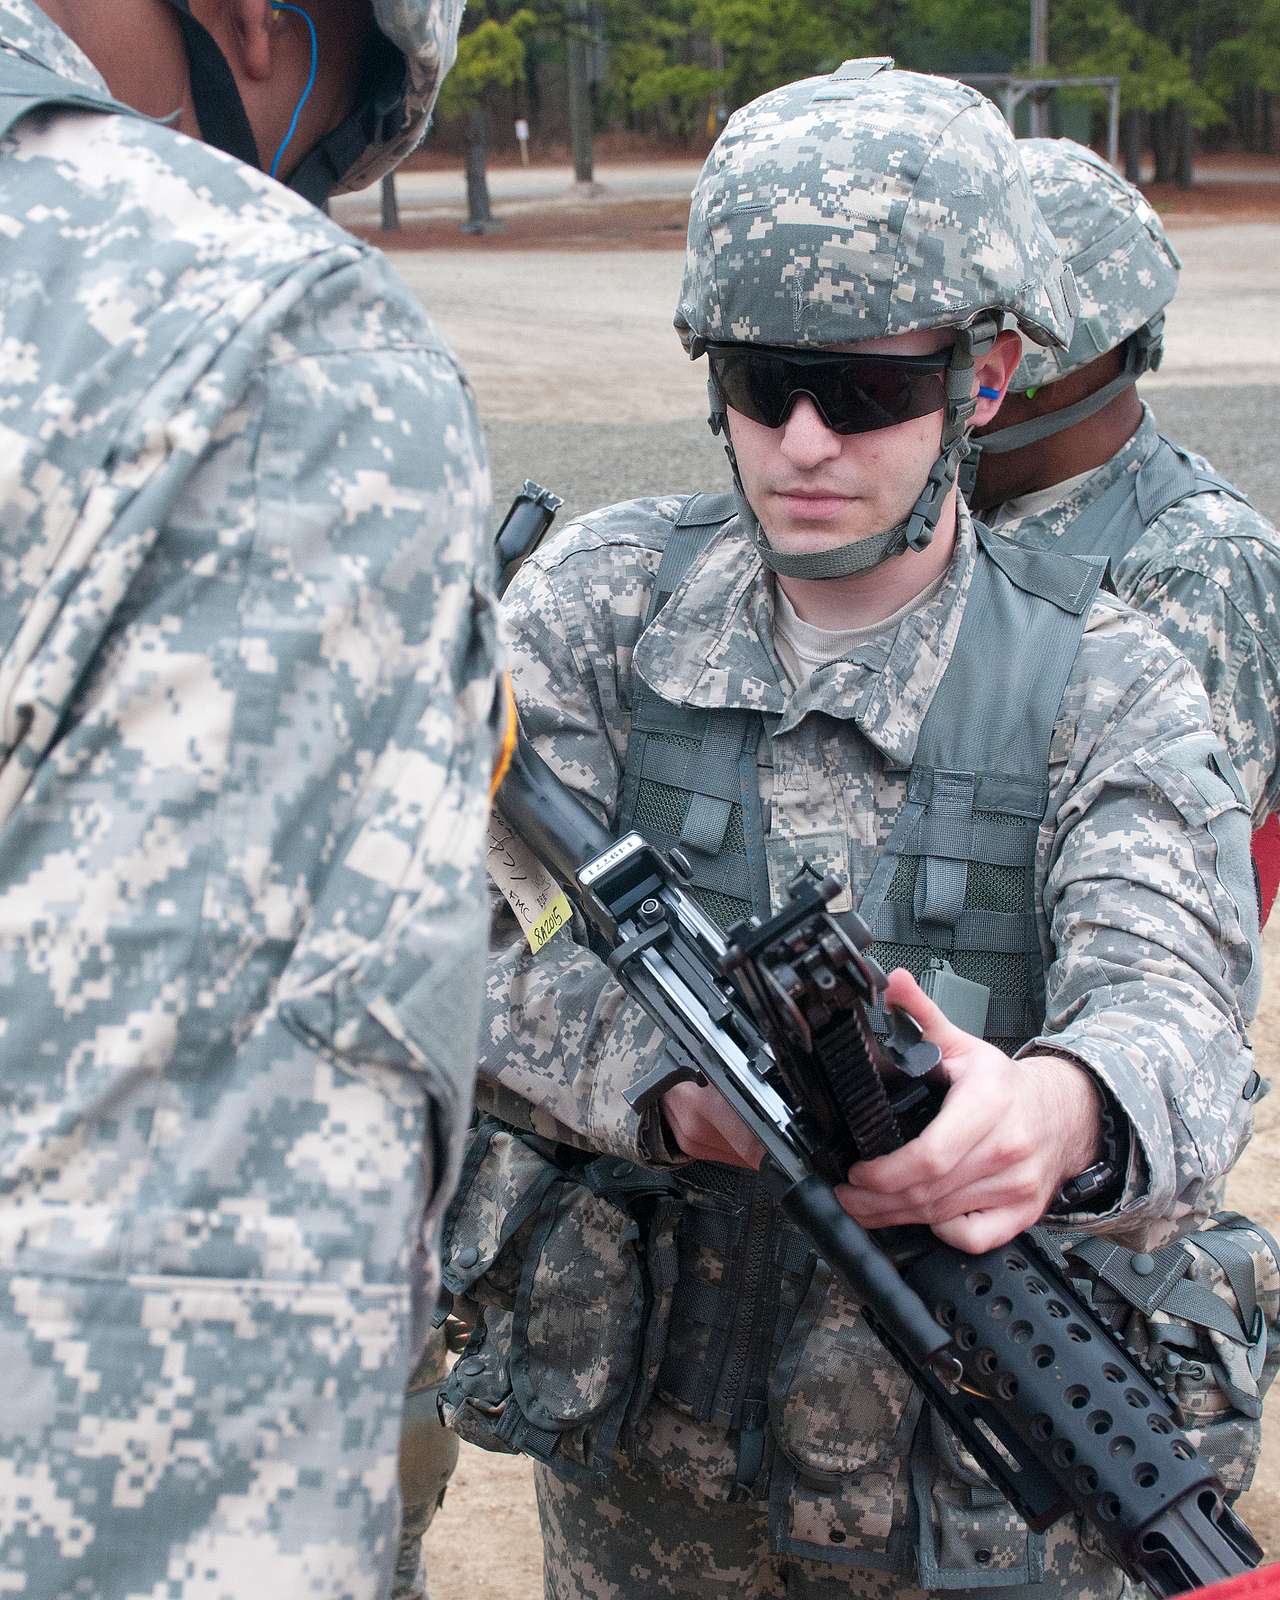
1101,1183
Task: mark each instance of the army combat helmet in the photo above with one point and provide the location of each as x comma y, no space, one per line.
1126,273
411,49
868,203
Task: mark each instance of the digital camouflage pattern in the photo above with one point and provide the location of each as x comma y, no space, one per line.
1207,573
633,1536
247,662
1125,267
1207,570
1151,979
866,203
1218,1354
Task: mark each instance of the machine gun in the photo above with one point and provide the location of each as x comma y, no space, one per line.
1061,1416
1056,1410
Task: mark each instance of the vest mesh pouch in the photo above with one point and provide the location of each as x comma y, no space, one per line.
1202,1314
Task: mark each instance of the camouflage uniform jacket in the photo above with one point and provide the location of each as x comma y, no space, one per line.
1150,967
247,687
1207,572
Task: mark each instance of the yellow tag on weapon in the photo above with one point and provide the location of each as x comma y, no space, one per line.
541,906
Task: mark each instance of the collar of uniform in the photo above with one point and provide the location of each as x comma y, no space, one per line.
887,687
1128,458
711,645
27,31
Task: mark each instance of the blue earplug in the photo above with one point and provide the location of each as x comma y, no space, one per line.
988,394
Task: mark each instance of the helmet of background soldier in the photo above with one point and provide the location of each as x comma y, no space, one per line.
1126,272
412,47
868,203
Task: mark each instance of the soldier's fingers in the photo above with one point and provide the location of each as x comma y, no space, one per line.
706,1129
931,1206
977,1231
946,1155
904,992
747,1147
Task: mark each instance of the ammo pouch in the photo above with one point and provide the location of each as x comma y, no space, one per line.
566,1264
1201,1315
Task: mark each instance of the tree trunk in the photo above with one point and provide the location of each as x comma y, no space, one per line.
580,97
1186,132
1162,143
1131,123
1185,147
390,205
480,218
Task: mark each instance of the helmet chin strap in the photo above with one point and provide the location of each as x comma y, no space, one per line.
224,123
1142,353
916,530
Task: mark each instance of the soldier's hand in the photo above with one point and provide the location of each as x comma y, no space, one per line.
701,1124
1008,1135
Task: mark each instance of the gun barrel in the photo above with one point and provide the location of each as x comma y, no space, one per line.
849,1250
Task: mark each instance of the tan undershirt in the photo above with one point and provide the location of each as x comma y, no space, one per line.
804,649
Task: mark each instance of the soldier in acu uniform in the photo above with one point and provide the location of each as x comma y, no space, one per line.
249,730
1013,775
1074,461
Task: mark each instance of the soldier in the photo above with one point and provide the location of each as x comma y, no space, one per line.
1015,776
249,732
1074,461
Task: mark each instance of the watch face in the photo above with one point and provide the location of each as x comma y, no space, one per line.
1084,1190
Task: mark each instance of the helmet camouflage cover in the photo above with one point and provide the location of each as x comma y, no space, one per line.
866,203
414,46
1126,270
425,33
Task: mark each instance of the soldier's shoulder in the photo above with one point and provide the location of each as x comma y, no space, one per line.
1129,688
1121,647
202,232
1209,555
1213,528
630,533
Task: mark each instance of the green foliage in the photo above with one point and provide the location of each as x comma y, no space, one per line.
960,35
663,56
1099,38
491,56
768,42
1248,58
683,92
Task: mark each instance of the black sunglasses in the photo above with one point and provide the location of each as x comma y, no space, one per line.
853,393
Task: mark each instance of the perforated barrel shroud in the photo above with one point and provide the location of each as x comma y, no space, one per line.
1060,1390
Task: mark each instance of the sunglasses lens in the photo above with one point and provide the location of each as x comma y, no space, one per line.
855,394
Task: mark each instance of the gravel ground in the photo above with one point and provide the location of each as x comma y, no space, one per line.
592,466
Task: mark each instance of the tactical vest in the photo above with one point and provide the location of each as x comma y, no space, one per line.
1108,529
955,880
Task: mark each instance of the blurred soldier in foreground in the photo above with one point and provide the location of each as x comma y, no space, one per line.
1016,779
1074,462
248,705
